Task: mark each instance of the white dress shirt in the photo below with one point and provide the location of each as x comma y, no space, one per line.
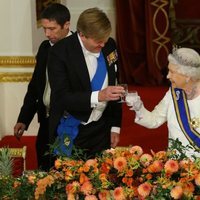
98,107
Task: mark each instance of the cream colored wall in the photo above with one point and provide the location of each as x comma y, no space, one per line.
77,6
21,37
12,95
16,29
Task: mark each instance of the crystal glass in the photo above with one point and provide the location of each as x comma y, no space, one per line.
125,86
131,97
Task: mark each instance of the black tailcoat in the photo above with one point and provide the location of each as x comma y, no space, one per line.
71,89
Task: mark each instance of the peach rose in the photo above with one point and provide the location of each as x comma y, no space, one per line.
86,188
136,150
144,189
197,179
118,194
171,166
104,195
120,163
146,159
156,166
176,192
91,197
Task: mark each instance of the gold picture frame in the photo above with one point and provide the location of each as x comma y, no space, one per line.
40,6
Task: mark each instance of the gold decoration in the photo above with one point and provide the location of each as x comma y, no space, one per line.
6,61
195,122
184,31
15,77
161,40
112,57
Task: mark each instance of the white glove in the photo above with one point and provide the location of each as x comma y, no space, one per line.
133,100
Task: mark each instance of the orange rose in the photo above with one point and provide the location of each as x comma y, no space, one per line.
171,166
144,189
136,150
176,192
197,179
120,163
146,159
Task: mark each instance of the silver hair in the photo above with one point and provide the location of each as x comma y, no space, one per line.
187,61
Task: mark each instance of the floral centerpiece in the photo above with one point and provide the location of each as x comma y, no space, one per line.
118,174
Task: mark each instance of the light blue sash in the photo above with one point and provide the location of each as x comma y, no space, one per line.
183,117
68,128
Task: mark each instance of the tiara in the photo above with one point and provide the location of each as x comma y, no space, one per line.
183,59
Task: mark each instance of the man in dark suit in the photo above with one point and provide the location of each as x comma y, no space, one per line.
55,21
72,67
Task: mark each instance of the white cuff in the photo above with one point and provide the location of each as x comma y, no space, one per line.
115,129
94,99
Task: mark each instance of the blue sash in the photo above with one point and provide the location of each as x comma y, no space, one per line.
68,128
67,131
183,117
100,74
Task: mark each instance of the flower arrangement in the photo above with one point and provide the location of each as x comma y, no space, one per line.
117,174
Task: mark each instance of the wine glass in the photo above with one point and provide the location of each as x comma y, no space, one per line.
131,97
125,86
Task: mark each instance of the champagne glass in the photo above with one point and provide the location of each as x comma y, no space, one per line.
131,97
125,86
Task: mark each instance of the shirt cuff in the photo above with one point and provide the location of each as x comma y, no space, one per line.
115,129
94,99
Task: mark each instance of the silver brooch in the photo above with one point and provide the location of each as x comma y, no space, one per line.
177,95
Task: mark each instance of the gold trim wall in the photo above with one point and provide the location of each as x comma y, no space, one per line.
16,61
15,77
11,62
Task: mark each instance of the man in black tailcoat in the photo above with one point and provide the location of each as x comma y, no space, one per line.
55,21
73,63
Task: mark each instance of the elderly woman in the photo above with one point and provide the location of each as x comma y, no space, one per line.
180,107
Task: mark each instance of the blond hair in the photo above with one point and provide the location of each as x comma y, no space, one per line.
93,23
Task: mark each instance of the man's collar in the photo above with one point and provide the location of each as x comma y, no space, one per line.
68,34
85,51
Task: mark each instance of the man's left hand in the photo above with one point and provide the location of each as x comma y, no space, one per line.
114,139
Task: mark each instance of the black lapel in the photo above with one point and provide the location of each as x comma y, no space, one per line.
79,64
110,69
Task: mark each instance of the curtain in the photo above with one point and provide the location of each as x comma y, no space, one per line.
142,29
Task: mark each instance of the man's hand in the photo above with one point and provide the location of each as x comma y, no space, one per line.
111,93
114,139
19,130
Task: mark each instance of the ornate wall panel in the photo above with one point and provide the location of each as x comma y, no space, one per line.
158,40
160,27
185,23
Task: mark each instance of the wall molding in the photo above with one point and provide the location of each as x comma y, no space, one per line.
15,77
10,61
